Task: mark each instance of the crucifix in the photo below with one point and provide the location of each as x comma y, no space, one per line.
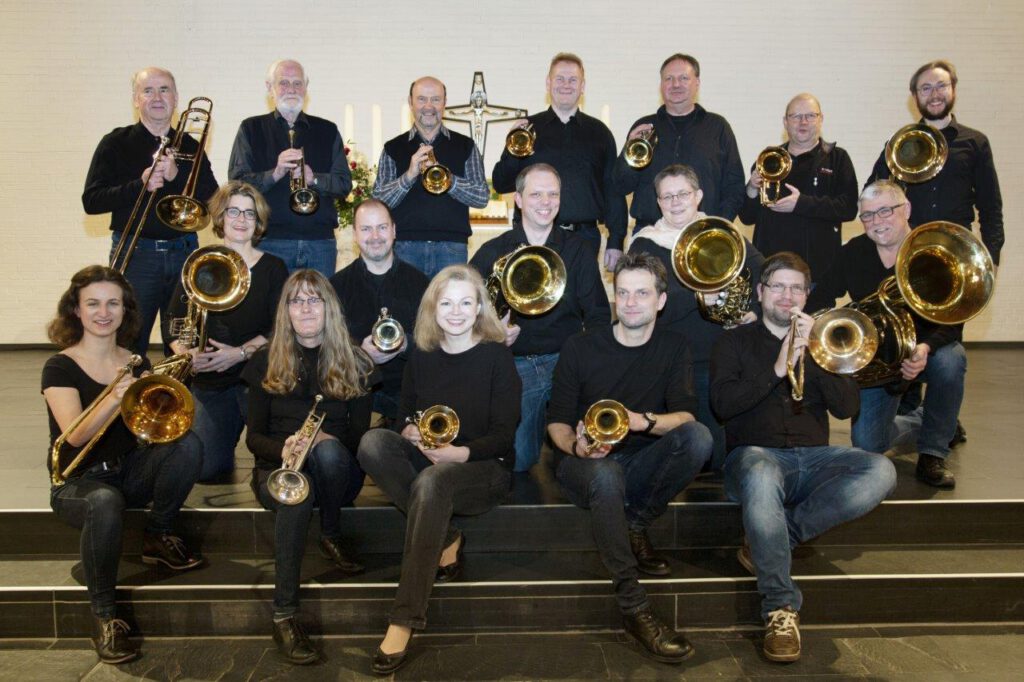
479,114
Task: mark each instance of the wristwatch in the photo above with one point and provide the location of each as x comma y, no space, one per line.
652,419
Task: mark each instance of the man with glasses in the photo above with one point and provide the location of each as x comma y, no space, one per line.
819,194
265,157
938,359
792,485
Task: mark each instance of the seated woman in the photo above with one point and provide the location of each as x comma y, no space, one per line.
240,215
309,354
97,319
460,361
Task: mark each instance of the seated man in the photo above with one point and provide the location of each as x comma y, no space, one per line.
627,487
792,484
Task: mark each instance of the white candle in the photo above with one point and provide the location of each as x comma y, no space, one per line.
406,121
606,115
378,137
350,124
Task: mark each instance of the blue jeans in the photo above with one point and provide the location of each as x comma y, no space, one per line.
318,254
702,387
431,257
335,479
154,270
535,372
790,495
96,500
877,428
220,418
628,491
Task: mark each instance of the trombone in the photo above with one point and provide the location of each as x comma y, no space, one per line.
605,423
916,153
436,177
520,141
215,278
288,485
773,165
640,150
529,280
438,425
708,256
303,199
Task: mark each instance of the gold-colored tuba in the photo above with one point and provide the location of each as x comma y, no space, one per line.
303,199
436,178
438,425
288,485
916,153
215,278
606,423
519,141
640,150
529,280
773,164
708,256
387,333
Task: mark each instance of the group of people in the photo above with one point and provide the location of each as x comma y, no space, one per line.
697,395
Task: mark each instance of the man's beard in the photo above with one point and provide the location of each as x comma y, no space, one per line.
288,109
927,115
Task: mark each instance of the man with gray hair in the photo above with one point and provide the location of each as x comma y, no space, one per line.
120,169
265,156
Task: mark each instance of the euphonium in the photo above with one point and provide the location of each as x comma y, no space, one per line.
519,141
438,425
916,153
606,423
387,333
214,278
794,364
773,164
303,200
288,485
436,178
708,256
640,150
530,280
184,212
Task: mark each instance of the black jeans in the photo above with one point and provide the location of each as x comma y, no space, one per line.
428,494
335,479
628,491
94,502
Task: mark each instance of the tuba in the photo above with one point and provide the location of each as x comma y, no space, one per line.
529,280
214,278
640,150
303,200
916,153
288,485
436,178
606,423
519,141
438,425
387,333
773,164
708,256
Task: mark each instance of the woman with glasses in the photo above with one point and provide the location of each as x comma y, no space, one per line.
310,353
240,216
678,193
460,361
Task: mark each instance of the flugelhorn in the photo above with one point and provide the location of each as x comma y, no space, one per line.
605,423
438,425
288,485
303,199
387,333
215,278
640,150
519,141
708,256
916,153
436,178
529,280
773,165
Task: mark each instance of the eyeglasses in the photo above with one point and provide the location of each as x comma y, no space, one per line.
928,88
810,118
884,212
779,287
233,213
299,302
681,196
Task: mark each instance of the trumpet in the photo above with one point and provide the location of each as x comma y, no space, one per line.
438,425
916,153
529,280
640,150
303,200
214,278
708,256
773,164
436,178
605,423
387,333
288,485
519,141
794,364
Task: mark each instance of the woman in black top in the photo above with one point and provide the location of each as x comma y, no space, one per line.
97,318
240,215
460,361
310,353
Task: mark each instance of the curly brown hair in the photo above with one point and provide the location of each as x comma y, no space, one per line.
65,329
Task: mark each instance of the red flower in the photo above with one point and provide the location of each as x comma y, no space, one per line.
352,165
359,192
347,151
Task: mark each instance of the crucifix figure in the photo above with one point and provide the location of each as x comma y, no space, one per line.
479,114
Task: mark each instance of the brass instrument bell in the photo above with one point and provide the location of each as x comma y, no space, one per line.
916,153
438,425
530,280
184,212
436,178
387,333
520,141
303,199
214,278
708,256
640,150
606,422
288,485
773,164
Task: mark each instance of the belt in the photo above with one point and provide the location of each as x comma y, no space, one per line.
184,243
576,227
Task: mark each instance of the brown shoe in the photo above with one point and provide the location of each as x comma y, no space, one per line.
330,548
782,636
932,470
111,641
746,560
169,550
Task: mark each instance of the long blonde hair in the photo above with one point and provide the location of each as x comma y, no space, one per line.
344,367
487,326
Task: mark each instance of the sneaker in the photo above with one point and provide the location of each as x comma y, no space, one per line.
169,550
782,636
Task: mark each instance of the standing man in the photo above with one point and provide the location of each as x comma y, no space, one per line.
264,157
820,193
120,168
536,340
647,369
938,358
582,150
687,134
432,228
791,484
375,280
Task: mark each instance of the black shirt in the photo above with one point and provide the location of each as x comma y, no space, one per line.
654,377
828,197
114,180
757,406
583,152
967,179
583,304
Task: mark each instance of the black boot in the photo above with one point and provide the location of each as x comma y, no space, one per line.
932,470
661,642
646,559
331,549
292,643
112,642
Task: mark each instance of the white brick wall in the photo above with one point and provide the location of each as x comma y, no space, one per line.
66,68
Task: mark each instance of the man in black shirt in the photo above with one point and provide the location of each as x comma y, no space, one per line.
688,134
119,170
626,488
792,485
264,157
377,280
536,340
818,195
583,151
938,358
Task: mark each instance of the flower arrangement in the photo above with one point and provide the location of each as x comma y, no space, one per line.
363,176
